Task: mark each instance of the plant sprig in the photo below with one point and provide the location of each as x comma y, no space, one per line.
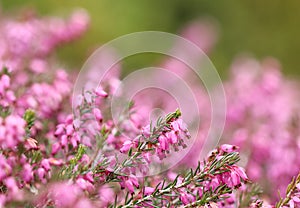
168,193
289,192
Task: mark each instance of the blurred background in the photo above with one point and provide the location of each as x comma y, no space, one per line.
255,27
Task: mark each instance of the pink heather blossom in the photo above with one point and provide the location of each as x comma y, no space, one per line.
89,177
129,183
97,114
12,131
64,194
292,196
27,173
41,173
62,159
106,195
163,141
100,92
55,162
240,172
5,168
38,65
146,131
55,148
7,96
14,192
228,148
84,203
172,137
85,184
38,37
126,146
256,120
148,190
186,198
46,164
31,144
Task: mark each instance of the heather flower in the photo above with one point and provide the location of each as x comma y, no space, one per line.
27,173
66,135
14,193
5,168
262,112
126,146
35,38
41,143
42,175
62,195
106,194
31,144
85,184
12,131
100,92
46,99
129,183
7,96
148,190
292,196
97,114
153,141
210,179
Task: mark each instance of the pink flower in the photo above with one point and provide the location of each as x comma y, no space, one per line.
41,173
186,198
64,140
178,125
172,137
64,194
46,164
55,162
98,115
38,65
5,82
240,172
235,178
106,194
85,184
146,131
148,190
27,173
13,190
163,141
126,146
129,183
5,168
84,202
13,130
55,148
89,177
228,148
100,92
31,144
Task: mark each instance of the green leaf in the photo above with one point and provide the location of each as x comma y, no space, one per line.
29,117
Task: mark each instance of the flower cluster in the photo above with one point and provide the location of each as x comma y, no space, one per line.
7,95
213,181
168,132
292,195
31,103
52,157
32,39
262,119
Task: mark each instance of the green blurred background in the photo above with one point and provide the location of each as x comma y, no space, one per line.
260,28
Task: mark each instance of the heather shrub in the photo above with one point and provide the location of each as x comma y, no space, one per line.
59,153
